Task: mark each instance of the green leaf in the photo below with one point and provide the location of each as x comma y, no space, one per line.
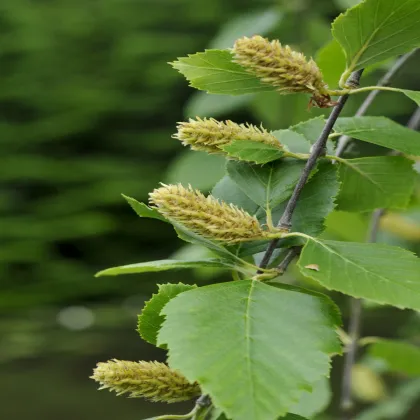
381,131
412,94
315,402
293,334
143,210
316,201
376,30
229,192
215,72
381,273
400,356
293,141
150,320
252,151
161,265
376,182
266,185
351,227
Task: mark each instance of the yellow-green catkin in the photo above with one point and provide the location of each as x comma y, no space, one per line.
210,135
281,67
151,380
206,216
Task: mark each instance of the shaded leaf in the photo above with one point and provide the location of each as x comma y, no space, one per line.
229,257
381,131
161,265
312,403
215,72
295,329
266,185
150,320
143,210
375,30
293,141
332,62
187,168
316,201
381,273
229,192
376,182
310,129
400,356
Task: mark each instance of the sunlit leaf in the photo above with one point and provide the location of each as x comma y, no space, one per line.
150,320
143,210
375,30
252,151
284,324
215,72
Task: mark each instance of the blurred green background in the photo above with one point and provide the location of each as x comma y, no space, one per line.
88,104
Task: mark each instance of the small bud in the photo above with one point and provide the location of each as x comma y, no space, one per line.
281,67
210,135
206,215
151,380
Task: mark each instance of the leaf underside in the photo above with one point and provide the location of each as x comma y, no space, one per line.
381,273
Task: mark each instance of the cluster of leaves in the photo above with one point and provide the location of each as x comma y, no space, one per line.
258,348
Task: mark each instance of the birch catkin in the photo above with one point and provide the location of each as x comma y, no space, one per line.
206,216
281,67
209,135
151,380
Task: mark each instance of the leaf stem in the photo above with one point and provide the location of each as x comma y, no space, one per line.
361,90
386,79
187,416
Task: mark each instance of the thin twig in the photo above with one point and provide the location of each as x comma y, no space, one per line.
414,122
386,79
346,402
355,324
290,256
317,150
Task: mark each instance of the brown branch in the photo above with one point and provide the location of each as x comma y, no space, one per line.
317,151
